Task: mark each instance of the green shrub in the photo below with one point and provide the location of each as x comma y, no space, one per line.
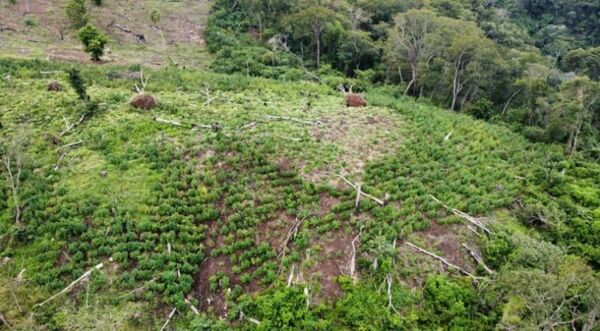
30,22
93,41
77,13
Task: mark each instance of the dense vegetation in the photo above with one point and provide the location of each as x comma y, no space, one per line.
233,201
158,206
530,63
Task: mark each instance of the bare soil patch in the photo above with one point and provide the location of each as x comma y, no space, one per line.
326,202
332,259
274,230
446,241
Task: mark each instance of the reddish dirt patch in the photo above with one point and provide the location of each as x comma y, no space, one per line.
334,256
355,100
144,101
284,165
66,54
326,202
360,138
445,239
275,230
207,299
63,258
31,7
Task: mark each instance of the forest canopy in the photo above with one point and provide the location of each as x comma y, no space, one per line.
497,60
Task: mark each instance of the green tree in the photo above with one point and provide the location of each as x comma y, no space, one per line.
534,84
312,21
584,62
410,42
78,84
576,110
93,41
77,13
469,58
532,299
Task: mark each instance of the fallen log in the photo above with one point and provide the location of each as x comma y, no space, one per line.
475,221
192,307
443,260
291,233
168,319
478,259
388,279
75,144
355,186
291,276
296,120
357,201
7,28
137,289
75,282
70,126
5,322
172,122
353,258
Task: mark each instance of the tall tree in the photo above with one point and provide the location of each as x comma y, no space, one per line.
312,21
577,107
410,41
584,62
534,84
469,57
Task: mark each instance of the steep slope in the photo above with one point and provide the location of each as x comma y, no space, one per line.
41,29
228,198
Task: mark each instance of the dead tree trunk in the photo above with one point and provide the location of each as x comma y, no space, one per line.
12,170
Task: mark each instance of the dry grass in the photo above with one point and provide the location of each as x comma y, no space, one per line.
176,39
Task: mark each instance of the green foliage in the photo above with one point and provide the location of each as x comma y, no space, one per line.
453,305
485,58
362,308
535,299
78,84
285,309
155,16
202,215
77,13
584,62
93,41
30,22
482,108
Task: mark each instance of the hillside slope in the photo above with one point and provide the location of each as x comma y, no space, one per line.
232,198
40,29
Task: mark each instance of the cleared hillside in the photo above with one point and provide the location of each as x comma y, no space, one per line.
41,29
228,198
